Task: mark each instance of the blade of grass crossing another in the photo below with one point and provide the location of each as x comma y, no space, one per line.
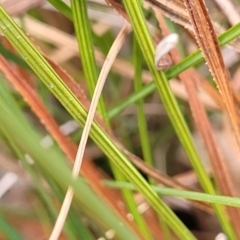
224,200
85,43
135,14
75,108
84,37
172,72
142,122
54,166
127,194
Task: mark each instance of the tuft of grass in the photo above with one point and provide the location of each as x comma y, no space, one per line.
121,201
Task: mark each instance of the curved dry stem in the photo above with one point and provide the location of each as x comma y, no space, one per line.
78,161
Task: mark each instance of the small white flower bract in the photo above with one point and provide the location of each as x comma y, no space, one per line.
164,46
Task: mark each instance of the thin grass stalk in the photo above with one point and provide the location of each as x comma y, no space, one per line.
142,123
189,61
198,196
75,108
70,149
88,170
83,32
84,37
128,195
42,192
76,89
14,123
139,26
61,175
220,173
174,10
222,40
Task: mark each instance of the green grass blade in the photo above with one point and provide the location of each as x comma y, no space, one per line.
62,7
187,62
142,123
69,101
53,165
140,29
83,32
204,197
48,204
131,99
84,37
82,232
7,230
7,98
12,57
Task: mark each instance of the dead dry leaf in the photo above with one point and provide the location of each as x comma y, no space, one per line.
208,43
